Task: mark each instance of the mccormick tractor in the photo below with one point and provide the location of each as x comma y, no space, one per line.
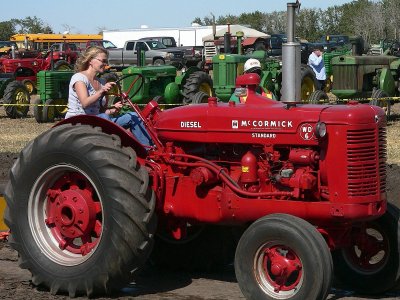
301,186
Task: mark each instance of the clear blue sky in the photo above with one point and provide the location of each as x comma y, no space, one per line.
82,16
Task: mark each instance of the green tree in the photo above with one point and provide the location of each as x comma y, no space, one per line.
308,24
31,25
7,29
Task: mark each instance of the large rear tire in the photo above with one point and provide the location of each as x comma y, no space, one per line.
62,65
196,82
385,104
317,97
283,257
16,93
78,227
38,110
49,111
371,265
308,82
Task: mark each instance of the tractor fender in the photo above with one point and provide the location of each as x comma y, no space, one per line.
386,81
127,138
24,72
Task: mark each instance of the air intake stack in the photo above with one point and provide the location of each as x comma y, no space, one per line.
291,60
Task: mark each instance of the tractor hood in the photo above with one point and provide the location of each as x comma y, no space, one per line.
261,121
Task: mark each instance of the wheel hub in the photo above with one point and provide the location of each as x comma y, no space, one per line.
74,213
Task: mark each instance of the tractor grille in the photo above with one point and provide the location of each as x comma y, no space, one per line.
366,162
345,77
224,74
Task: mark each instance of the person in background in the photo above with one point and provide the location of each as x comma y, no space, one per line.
316,62
87,94
251,65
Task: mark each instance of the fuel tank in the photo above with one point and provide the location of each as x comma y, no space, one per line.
258,121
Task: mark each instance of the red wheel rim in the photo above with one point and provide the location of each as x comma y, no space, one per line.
279,270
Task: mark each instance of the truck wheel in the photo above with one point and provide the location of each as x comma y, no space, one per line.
158,62
308,83
317,97
197,81
15,94
49,111
205,248
62,65
283,257
38,110
78,227
385,104
371,264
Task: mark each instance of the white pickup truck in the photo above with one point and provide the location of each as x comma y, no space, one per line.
155,54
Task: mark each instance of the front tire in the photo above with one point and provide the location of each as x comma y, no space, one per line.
283,257
78,227
371,265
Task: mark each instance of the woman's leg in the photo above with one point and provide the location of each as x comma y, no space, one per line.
134,123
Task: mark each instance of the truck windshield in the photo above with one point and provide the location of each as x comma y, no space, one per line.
108,45
156,45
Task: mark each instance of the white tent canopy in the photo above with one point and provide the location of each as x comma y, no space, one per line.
248,32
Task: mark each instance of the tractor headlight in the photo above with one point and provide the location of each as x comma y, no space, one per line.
170,55
320,130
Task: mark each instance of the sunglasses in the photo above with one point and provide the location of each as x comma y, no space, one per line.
104,61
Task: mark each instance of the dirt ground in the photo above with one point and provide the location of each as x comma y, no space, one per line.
155,283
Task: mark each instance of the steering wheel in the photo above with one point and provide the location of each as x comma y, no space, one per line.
126,97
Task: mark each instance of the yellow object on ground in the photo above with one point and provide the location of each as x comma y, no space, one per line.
3,226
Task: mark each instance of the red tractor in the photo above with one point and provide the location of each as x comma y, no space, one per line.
301,186
24,69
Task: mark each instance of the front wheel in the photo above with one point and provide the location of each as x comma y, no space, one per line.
371,264
283,257
78,227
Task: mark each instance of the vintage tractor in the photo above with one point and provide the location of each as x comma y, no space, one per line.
25,69
367,76
163,84
14,96
53,95
226,68
86,202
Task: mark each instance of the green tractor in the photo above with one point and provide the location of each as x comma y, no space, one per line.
367,76
162,84
14,96
226,67
147,82
53,95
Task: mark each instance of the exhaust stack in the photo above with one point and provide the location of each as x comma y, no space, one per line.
291,60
